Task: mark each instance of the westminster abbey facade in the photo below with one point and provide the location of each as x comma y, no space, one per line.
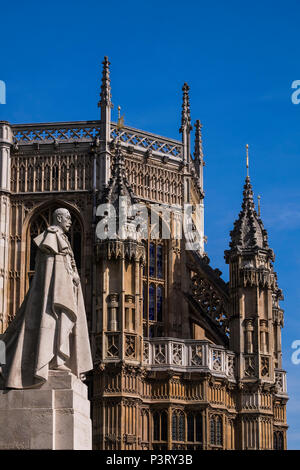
182,359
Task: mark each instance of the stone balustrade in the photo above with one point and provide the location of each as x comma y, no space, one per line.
189,355
280,380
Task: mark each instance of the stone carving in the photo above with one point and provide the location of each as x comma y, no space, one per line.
160,354
211,302
130,346
177,349
112,345
197,355
265,366
49,330
249,366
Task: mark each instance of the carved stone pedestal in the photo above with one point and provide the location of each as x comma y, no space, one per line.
53,416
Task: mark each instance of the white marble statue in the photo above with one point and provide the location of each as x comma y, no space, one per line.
49,330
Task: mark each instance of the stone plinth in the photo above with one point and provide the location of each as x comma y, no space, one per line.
53,416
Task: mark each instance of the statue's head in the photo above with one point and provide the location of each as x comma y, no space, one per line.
62,218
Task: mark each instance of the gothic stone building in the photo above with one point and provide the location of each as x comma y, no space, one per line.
182,360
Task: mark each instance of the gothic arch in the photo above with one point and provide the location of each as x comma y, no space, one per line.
36,222
155,306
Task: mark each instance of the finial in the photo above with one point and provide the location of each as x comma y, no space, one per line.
198,153
120,123
185,114
258,205
105,95
247,159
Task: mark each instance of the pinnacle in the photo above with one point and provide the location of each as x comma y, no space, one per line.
105,95
248,232
185,114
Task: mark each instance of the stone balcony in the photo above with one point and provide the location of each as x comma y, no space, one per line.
189,356
280,380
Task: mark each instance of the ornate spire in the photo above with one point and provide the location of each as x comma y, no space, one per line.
198,152
248,233
118,184
185,113
105,104
105,95
185,129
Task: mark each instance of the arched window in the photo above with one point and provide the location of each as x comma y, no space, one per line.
178,426
159,303
216,430
39,222
160,426
278,440
151,302
194,427
145,428
154,288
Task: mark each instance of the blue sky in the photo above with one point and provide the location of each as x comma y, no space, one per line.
239,60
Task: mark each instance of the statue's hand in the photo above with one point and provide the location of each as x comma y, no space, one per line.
76,280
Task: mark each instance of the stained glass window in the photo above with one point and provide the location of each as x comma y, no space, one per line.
212,430
152,260
216,431
154,278
181,427
151,302
174,427
145,301
151,331
159,302
178,426
159,261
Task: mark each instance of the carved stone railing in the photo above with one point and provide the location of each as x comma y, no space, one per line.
280,380
146,141
87,131
47,133
189,355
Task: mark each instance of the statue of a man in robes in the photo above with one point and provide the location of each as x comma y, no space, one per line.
49,330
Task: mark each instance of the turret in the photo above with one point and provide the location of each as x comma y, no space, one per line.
253,288
6,141
105,105
121,257
185,130
254,323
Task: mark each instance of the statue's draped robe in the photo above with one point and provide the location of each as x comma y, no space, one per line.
51,322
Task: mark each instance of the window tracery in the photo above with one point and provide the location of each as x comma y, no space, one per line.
40,221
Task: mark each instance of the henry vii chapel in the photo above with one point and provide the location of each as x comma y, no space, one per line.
182,359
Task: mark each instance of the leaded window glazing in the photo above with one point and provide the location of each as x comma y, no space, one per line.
154,288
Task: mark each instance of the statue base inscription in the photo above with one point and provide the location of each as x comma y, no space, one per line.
54,416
